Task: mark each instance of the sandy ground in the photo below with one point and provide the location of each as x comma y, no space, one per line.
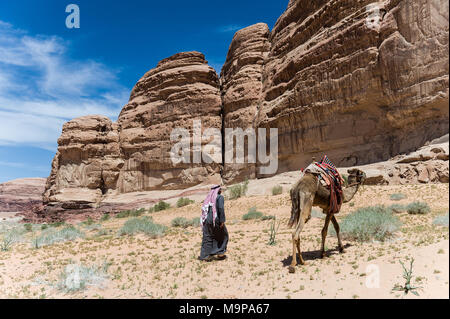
167,267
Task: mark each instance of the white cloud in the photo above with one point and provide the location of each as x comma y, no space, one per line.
41,88
230,28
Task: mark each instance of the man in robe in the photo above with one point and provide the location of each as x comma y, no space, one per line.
215,234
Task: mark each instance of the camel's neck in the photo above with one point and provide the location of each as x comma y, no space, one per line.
349,192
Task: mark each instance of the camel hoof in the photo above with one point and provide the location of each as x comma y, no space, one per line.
323,255
291,269
302,262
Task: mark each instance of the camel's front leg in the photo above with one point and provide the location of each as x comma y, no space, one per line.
338,234
324,234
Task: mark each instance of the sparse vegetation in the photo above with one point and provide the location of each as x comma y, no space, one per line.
407,275
143,225
181,222
51,236
274,226
277,190
195,222
398,208
184,202
252,214
130,213
239,190
398,196
376,222
78,277
441,220
105,217
268,217
418,208
162,205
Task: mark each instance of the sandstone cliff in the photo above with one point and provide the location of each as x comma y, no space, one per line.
21,194
360,81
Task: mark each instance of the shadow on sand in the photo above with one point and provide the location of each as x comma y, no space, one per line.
312,255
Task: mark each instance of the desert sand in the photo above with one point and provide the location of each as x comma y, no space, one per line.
167,267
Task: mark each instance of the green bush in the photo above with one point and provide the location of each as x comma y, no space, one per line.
418,208
195,222
252,214
143,225
130,213
162,205
57,224
441,220
105,217
365,224
184,202
398,196
268,217
181,222
277,190
397,208
238,190
44,226
28,227
51,236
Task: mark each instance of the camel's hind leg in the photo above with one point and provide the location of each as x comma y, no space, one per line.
305,206
324,234
337,229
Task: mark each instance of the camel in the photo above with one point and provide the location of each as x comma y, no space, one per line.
308,192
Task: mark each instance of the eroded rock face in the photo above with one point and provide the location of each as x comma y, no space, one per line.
358,83
87,163
181,89
21,194
96,156
241,80
356,80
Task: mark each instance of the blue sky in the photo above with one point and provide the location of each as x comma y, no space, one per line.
50,74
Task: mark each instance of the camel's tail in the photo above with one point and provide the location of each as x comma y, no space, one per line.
295,212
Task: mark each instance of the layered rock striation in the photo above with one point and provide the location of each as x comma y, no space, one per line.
358,80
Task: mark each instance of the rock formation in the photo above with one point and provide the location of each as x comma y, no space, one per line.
21,194
359,81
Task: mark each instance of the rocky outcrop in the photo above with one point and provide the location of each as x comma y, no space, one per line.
21,194
181,89
241,80
357,80
360,81
97,157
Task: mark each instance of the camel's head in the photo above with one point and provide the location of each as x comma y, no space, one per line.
356,177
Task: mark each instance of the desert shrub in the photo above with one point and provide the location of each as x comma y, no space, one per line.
441,220
398,196
78,277
181,222
89,221
10,238
57,224
44,226
268,217
252,214
28,227
162,205
105,217
195,222
277,190
418,208
273,232
367,223
130,213
238,190
184,202
397,208
143,225
51,236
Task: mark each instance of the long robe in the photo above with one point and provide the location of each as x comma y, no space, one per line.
215,239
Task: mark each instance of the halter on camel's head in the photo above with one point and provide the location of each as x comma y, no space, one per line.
356,177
